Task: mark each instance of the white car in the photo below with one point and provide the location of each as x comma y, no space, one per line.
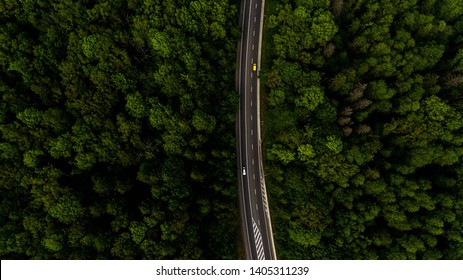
244,170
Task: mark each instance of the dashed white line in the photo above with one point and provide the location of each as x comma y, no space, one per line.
252,161
246,57
258,221
251,117
252,133
251,75
255,191
257,207
252,146
256,5
253,33
252,47
251,91
255,18
254,176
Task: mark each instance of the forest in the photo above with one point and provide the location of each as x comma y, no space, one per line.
364,128
117,128
117,123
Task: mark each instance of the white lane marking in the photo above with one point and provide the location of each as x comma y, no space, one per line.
252,161
253,33
252,61
264,194
258,241
260,251
251,91
252,47
255,18
259,237
251,117
251,75
252,146
255,191
240,80
257,207
258,221
259,247
254,176
246,56
252,133
261,255
256,5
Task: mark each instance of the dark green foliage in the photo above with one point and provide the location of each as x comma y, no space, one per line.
117,129
365,160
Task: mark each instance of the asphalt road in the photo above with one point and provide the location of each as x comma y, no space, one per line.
256,222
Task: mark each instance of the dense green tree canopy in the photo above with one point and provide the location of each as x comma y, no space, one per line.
117,129
364,139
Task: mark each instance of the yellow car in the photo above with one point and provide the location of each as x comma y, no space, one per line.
254,67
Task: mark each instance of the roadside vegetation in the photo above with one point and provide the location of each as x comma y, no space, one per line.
364,140
117,123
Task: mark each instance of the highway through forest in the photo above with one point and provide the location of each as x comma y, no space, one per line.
255,214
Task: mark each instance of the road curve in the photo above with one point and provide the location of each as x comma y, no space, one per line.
255,214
